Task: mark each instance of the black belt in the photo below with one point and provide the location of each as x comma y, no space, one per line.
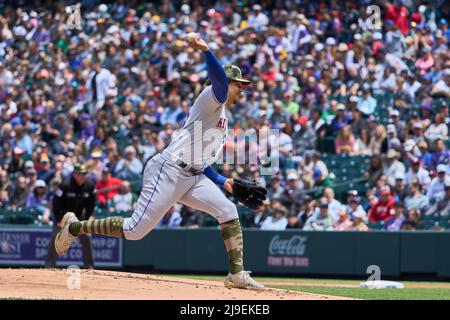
186,167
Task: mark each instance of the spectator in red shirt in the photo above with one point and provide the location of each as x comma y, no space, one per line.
384,209
398,13
107,187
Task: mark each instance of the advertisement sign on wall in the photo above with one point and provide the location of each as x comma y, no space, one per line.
28,247
288,252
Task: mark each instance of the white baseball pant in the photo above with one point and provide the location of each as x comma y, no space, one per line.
164,184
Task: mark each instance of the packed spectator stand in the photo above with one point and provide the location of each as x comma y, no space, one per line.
362,109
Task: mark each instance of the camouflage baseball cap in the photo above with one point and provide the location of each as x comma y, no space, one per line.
80,168
234,73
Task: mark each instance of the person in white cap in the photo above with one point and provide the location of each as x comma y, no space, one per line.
330,41
277,221
441,207
411,149
393,141
353,203
377,36
392,166
129,165
186,9
341,119
358,221
400,190
394,115
96,162
416,171
417,129
300,34
321,219
257,19
318,47
436,190
293,192
37,198
331,46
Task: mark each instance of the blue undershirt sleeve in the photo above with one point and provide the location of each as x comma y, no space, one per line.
214,176
218,77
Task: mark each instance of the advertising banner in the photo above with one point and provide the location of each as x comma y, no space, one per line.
28,247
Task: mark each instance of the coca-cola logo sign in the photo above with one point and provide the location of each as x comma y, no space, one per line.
295,246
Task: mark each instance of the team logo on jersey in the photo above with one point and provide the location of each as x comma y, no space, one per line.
222,124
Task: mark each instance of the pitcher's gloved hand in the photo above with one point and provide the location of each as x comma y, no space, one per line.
249,193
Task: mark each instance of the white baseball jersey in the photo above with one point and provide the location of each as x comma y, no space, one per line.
199,143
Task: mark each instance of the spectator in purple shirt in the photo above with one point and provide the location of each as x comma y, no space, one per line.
440,155
311,91
152,116
37,198
41,35
87,127
395,223
341,120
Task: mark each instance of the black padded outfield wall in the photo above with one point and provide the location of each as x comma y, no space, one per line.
270,252
296,252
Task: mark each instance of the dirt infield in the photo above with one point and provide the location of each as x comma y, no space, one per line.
105,285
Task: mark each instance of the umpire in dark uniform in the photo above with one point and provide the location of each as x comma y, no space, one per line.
76,194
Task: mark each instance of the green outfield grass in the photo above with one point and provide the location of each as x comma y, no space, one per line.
377,294
350,288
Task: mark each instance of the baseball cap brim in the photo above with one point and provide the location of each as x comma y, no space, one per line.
243,81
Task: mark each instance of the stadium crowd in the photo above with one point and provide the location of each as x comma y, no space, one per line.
332,78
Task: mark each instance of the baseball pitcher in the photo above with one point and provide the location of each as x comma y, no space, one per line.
182,173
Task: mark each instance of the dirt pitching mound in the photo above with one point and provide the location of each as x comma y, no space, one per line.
104,285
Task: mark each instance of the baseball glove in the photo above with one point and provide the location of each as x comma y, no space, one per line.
249,193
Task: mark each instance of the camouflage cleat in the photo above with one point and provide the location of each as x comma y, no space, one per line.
64,238
242,280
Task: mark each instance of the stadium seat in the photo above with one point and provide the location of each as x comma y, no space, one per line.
209,221
375,225
20,216
447,143
136,185
244,213
428,224
326,145
430,217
